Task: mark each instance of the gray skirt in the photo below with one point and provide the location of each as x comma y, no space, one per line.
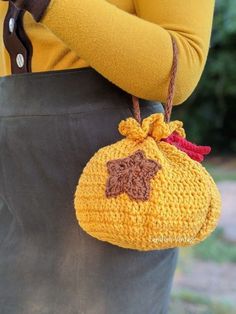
51,123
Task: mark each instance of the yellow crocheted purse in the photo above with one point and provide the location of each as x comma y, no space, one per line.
149,190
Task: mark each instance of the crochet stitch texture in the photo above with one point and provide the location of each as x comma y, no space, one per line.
184,204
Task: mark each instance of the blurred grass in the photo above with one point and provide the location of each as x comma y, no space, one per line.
215,248
221,168
189,302
220,174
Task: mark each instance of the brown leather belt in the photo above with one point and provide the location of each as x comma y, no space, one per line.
16,40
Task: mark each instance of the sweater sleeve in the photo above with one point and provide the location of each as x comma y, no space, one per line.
135,52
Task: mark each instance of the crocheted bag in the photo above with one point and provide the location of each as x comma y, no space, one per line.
149,190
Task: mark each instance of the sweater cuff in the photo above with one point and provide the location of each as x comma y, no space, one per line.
36,7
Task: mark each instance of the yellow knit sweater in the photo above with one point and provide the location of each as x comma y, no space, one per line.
127,41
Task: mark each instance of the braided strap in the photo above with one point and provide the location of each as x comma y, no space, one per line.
171,89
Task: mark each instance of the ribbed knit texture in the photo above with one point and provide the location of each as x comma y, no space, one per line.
127,41
184,204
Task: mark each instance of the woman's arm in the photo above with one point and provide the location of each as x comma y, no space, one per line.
135,52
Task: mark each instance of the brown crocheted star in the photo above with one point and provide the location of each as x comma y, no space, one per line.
131,175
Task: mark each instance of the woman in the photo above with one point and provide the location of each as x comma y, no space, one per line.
67,71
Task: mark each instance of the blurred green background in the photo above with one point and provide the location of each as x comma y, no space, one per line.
205,279
209,113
